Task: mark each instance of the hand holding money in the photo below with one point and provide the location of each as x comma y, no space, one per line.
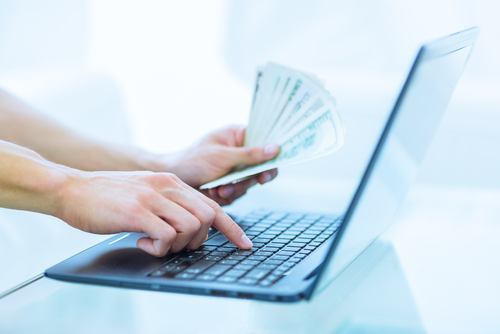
215,155
292,109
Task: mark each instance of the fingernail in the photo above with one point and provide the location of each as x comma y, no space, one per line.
270,149
228,190
267,177
246,242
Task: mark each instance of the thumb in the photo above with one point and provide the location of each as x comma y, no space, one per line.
254,154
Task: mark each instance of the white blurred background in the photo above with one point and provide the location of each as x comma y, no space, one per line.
160,74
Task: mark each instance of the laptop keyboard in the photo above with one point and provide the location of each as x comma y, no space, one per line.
280,241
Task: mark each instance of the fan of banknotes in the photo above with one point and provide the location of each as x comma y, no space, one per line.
292,109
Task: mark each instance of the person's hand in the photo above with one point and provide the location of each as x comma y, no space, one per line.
217,154
171,213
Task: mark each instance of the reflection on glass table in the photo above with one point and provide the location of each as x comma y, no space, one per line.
370,296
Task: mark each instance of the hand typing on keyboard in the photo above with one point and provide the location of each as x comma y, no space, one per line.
172,214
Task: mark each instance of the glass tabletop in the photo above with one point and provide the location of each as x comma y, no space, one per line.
370,296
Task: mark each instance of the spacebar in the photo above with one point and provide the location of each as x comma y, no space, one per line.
218,240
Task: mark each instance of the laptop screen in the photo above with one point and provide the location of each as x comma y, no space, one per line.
401,149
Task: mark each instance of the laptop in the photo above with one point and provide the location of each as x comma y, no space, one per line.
296,255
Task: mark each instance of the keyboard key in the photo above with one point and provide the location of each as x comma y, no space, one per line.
243,267
285,237
257,258
295,259
226,248
217,270
311,248
185,276
299,256
257,273
249,221
247,281
265,283
250,262
314,243
311,231
218,240
295,244
212,258
270,249
303,239
203,252
287,265
277,215
235,257
205,277
174,268
199,267
284,253
257,229
227,279
243,252
279,271
229,262
217,253
158,273
305,252
261,240
275,245
303,224
280,257
267,266
252,233
191,257
263,253
258,245
273,277
281,241
291,233
235,273
284,224
176,261
268,235
291,249
276,262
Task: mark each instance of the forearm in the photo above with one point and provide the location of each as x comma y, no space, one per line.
29,182
23,125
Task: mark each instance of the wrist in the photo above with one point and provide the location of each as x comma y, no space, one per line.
29,182
158,163
66,186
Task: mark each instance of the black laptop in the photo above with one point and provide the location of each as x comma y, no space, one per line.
296,255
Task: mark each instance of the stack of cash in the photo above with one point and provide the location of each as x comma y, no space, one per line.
292,109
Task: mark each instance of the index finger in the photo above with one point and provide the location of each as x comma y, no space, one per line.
223,222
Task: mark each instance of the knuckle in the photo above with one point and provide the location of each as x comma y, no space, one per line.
162,180
169,234
208,216
172,177
213,205
192,226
